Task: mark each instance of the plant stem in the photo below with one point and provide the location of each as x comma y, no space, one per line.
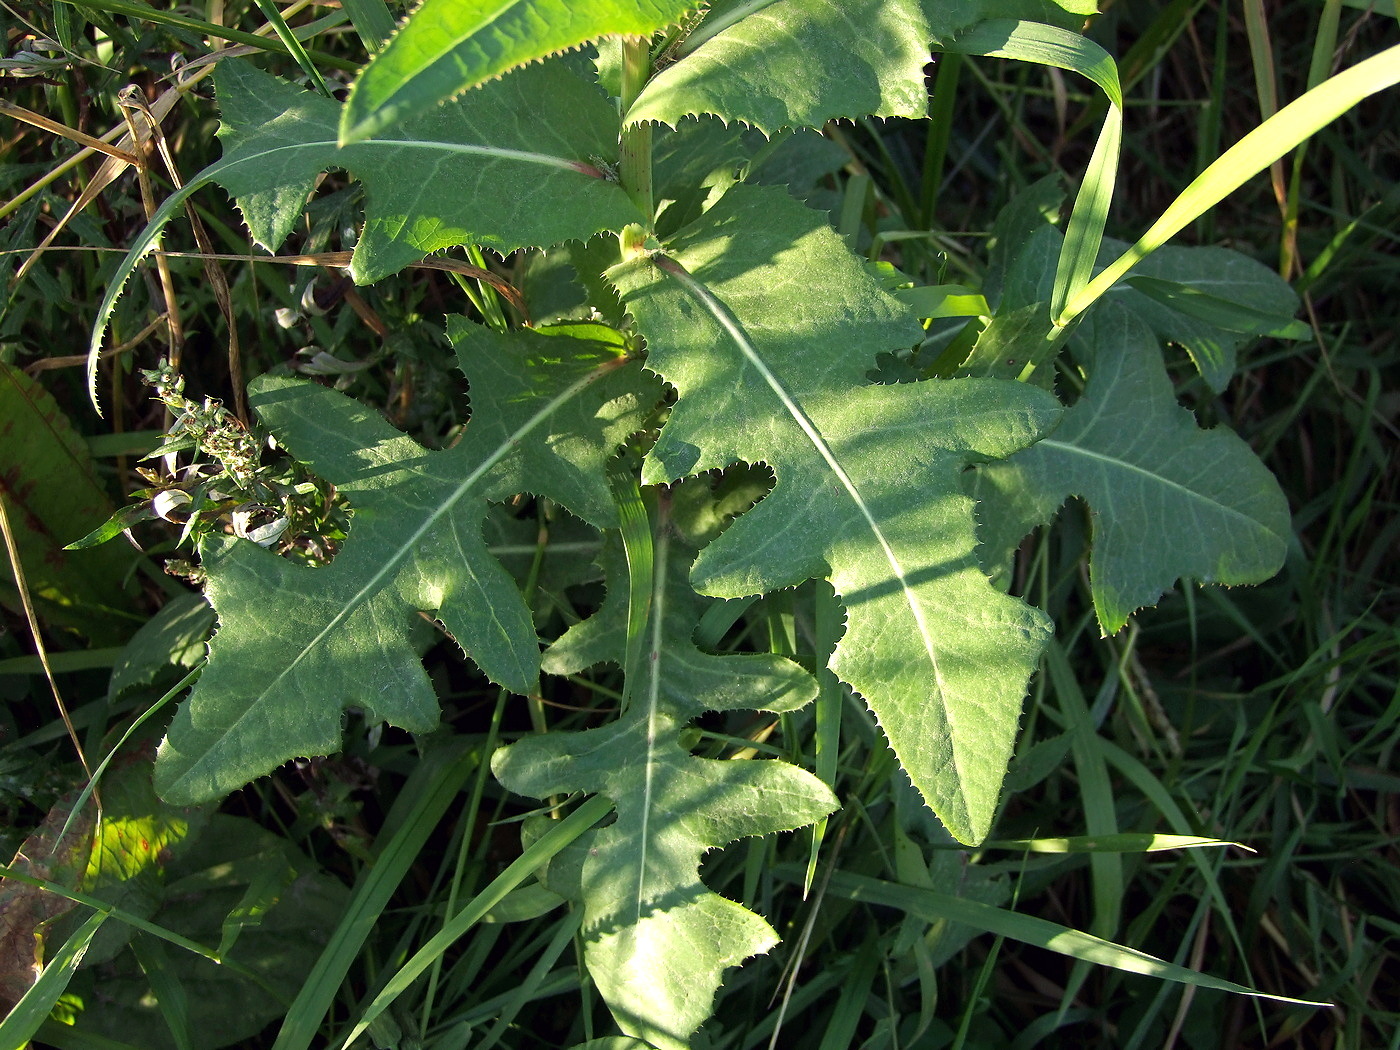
635,167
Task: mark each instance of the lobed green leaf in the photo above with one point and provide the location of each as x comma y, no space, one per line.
1167,499
296,645
656,940
448,46
510,166
750,314
1207,300
800,63
1210,301
700,681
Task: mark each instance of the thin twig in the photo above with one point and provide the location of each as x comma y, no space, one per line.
12,549
46,364
1188,995
148,202
42,122
106,173
222,296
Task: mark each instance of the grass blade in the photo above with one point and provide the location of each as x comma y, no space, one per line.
293,45
522,868
1096,793
940,131
1049,46
934,907
372,20
33,1008
1284,131
435,782
68,1037
637,542
168,991
1122,842
209,29
134,921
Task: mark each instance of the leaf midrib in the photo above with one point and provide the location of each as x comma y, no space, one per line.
435,145
736,332
404,549
1191,494
151,234
654,674
388,108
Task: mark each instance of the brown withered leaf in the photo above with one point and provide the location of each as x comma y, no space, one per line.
25,909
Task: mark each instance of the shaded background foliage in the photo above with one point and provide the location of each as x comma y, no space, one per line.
1268,716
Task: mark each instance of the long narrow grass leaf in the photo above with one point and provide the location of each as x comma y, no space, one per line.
169,993
933,906
293,45
1122,842
534,981
29,1013
69,1037
943,300
1095,790
372,20
146,13
1285,130
523,867
121,915
1049,46
637,543
435,782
